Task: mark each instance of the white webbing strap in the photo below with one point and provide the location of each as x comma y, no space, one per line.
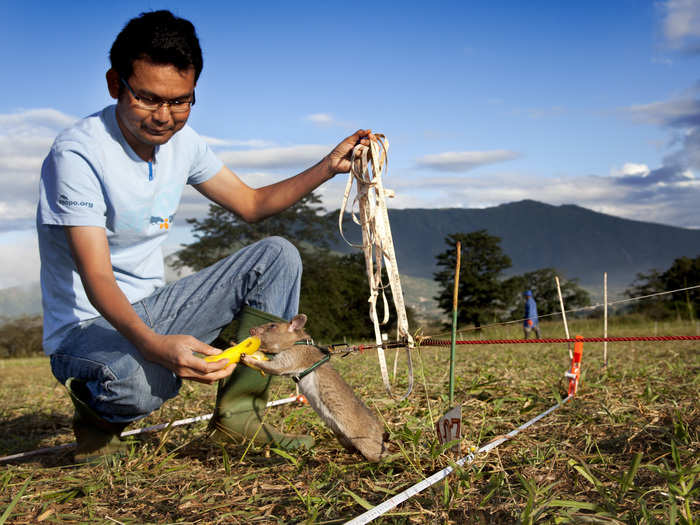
377,243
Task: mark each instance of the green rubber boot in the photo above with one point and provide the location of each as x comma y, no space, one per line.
241,399
96,438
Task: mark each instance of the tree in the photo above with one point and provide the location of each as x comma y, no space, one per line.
544,289
683,273
481,292
334,296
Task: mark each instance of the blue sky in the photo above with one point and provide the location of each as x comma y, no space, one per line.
594,103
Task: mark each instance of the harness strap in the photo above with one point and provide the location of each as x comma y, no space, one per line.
313,367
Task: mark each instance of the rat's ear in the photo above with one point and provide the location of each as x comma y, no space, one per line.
297,323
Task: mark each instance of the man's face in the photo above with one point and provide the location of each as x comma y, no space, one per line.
142,128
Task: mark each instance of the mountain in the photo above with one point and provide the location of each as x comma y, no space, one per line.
578,242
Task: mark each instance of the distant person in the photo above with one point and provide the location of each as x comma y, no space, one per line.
531,323
120,339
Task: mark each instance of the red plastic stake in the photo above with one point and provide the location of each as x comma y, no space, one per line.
575,373
301,399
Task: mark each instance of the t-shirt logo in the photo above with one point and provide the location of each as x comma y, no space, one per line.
164,222
65,201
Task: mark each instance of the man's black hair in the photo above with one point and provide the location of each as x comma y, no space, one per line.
160,37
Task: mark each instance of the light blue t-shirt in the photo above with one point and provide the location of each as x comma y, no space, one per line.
92,177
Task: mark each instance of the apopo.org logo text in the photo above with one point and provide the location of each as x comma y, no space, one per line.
65,201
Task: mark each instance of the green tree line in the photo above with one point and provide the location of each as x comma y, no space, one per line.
21,337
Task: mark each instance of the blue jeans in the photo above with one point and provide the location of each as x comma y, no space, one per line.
124,386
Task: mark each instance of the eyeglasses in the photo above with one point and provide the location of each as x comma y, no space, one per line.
177,105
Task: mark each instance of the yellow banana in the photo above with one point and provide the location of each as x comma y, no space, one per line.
248,347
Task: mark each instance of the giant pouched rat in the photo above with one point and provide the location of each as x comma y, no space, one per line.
355,426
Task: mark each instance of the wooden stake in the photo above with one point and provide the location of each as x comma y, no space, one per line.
454,323
605,318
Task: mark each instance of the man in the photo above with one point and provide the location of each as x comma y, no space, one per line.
120,340
531,322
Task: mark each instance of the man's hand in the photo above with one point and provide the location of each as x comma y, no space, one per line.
339,158
176,353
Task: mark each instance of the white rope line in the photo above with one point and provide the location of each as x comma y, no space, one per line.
638,298
651,295
36,452
573,310
377,243
394,501
283,401
154,428
161,426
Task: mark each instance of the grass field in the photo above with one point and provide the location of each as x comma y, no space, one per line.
625,450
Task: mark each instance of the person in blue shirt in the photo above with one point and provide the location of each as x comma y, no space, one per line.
119,337
531,323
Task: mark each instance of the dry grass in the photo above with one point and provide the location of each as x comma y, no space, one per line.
624,451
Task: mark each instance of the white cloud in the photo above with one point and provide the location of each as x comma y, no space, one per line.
681,116
291,157
322,119
251,143
33,119
681,24
461,161
25,138
326,120
665,61
630,168
666,113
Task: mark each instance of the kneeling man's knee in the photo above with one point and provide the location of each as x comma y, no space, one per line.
287,252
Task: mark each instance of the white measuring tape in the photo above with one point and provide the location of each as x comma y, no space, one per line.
377,243
154,428
389,504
